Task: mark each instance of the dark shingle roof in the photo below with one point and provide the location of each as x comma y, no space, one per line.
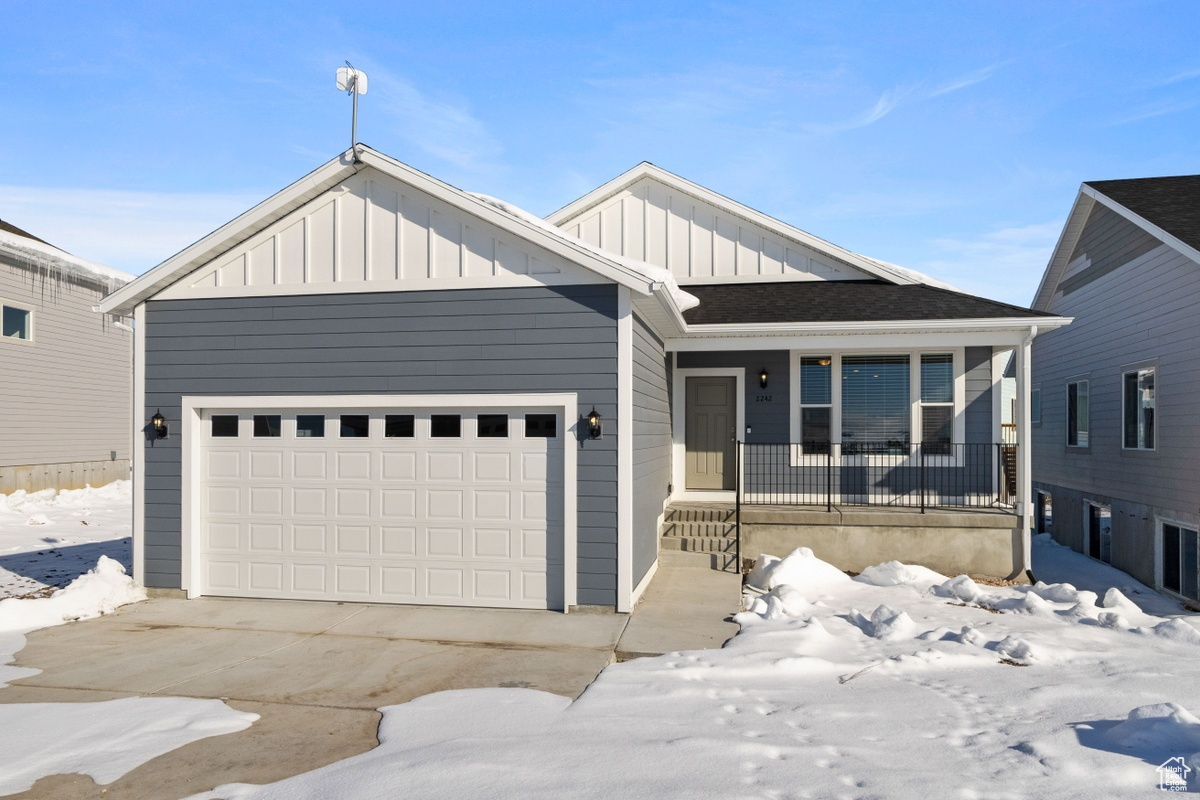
1172,203
10,228
838,301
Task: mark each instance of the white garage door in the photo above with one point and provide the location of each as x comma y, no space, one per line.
432,506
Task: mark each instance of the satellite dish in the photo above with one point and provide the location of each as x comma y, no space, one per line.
350,80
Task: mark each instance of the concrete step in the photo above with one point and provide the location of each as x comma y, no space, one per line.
702,513
699,544
722,562
718,529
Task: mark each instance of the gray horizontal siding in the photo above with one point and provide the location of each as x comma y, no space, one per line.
769,420
536,339
1134,311
978,367
651,444
66,397
1110,242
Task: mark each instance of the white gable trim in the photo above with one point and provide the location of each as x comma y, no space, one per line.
311,186
578,208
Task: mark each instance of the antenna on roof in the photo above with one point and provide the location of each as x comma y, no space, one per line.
353,82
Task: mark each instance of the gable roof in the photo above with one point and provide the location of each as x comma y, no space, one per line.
622,271
874,267
7,227
840,301
1168,208
26,249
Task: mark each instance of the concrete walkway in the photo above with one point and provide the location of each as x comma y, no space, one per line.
317,672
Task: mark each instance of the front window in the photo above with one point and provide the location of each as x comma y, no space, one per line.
1077,414
816,403
1139,409
937,402
876,410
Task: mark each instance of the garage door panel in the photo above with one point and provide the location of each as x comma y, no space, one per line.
411,518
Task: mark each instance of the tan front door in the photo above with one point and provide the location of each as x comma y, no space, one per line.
711,433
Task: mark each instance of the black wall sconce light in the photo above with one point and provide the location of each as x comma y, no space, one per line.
762,377
593,424
159,424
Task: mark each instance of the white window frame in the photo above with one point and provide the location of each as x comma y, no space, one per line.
834,366
1139,370
958,427
1159,523
1086,381
32,326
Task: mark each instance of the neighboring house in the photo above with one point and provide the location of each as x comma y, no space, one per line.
1118,439
65,406
375,386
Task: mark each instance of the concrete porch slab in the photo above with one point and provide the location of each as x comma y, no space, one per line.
683,608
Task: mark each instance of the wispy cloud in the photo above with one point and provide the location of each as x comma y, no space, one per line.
1160,108
1005,264
129,230
900,96
1180,77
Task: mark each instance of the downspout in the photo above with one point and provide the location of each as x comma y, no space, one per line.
1025,456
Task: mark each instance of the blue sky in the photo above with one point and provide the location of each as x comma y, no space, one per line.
949,137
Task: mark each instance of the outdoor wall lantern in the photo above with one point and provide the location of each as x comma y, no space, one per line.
593,423
762,377
159,423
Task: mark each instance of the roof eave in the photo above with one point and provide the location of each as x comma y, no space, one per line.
1042,323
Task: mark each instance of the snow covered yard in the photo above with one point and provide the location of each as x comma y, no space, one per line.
43,547
49,538
898,683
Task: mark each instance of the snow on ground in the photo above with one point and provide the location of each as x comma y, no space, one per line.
899,683
49,538
41,547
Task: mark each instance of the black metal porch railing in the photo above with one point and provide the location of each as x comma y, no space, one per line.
881,474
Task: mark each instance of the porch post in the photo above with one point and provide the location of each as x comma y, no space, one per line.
1024,456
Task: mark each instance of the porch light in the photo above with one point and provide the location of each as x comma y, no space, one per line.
159,423
593,423
762,377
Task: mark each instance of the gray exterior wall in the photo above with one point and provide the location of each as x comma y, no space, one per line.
66,398
769,420
537,339
977,364
651,444
1137,308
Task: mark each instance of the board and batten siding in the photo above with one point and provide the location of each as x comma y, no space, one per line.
1140,311
511,340
697,241
66,396
651,444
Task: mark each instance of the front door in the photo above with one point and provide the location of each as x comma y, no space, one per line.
711,433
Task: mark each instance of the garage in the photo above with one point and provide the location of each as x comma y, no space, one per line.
436,505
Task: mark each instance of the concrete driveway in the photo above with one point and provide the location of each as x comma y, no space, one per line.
314,672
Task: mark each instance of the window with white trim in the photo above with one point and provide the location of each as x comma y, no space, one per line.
17,323
937,402
876,404
816,403
1035,404
1179,559
1138,413
1077,414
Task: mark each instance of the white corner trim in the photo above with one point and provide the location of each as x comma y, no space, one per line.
137,445
679,425
192,405
625,487
644,584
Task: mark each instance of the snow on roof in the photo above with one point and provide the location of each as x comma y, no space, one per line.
910,274
41,254
650,272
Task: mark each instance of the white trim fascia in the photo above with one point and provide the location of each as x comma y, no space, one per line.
192,405
1143,223
679,427
886,326
644,584
230,234
137,445
625,483
780,228
849,341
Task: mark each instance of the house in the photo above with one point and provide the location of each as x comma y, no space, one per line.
375,386
65,409
1116,436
